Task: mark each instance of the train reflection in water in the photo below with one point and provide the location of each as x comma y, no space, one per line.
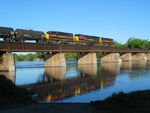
62,87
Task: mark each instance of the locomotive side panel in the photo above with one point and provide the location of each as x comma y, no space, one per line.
59,36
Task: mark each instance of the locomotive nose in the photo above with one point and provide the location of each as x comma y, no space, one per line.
76,38
46,36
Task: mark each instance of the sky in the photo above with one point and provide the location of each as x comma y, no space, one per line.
116,19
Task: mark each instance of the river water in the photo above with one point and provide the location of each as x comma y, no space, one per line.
80,83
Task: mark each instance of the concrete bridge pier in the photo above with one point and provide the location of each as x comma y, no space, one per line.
55,59
7,62
112,57
139,57
126,57
148,56
89,58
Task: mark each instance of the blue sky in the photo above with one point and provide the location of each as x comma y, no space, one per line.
117,19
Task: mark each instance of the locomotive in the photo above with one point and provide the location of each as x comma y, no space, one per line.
52,37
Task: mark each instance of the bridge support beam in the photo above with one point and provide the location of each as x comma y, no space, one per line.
112,57
148,56
139,57
55,59
7,62
89,58
126,57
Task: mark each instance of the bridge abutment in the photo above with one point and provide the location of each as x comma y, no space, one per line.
112,57
139,57
126,57
7,62
55,59
89,58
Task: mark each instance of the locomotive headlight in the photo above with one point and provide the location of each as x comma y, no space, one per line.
100,40
47,36
75,38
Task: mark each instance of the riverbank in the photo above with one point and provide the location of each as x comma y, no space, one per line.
135,102
52,108
11,95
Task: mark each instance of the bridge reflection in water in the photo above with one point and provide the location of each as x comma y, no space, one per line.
62,87
90,70
55,83
57,73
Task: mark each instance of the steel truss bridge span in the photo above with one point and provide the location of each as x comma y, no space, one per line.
34,47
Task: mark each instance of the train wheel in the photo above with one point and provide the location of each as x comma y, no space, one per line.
7,39
19,40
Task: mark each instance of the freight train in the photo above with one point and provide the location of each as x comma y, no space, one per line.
52,37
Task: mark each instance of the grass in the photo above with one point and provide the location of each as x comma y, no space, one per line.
134,102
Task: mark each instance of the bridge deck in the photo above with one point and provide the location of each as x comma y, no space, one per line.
33,47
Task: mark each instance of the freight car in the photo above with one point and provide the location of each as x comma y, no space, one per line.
6,33
21,35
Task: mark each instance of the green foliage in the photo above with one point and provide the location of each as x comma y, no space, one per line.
138,43
118,44
71,56
134,43
29,57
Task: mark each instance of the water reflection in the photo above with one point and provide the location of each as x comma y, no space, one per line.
139,65
68,87
61,82
11,75
88,69
126,65
148,64
113,68
58,73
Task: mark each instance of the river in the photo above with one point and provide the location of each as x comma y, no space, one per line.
80,83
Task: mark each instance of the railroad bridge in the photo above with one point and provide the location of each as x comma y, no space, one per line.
57,57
